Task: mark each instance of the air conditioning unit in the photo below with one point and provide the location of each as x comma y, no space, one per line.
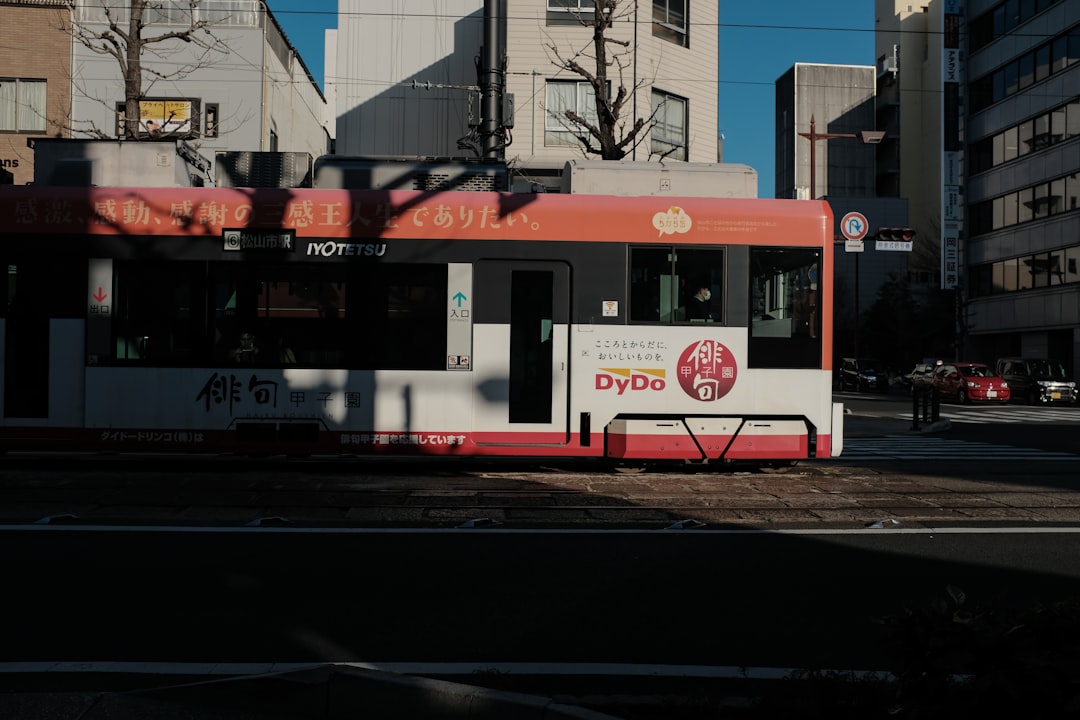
427,174
253,169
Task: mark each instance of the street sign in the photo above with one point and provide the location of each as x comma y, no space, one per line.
854,227
893,245
895,238
854,246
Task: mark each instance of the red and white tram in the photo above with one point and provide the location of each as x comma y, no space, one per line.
400,322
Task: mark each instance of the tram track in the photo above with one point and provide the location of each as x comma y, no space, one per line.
297,493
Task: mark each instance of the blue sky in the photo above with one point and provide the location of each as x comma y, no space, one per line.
759,41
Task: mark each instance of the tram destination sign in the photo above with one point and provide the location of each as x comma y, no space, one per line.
248,239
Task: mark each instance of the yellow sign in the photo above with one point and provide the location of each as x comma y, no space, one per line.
165,117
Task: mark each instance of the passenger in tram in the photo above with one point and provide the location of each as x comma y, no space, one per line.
285,354
248,352
699,306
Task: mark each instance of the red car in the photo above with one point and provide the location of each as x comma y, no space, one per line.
964,381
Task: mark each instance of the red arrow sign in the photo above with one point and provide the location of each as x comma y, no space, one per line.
100,295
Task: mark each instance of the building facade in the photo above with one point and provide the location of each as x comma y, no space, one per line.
1021,237
242,87
984,99
839,99
414,90
35,81
919,65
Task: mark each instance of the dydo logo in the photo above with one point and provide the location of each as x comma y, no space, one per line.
622,380
707,370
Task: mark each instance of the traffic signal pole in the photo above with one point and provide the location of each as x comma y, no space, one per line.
855,337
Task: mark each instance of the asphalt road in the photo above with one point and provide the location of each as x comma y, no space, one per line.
652,597
136,563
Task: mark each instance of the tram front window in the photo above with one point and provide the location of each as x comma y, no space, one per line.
785,322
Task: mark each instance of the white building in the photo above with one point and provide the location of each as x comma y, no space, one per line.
412,76
252,92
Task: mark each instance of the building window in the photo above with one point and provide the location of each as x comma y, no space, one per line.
22,105
1033,135
563,96
669,21
1002,19
1064,50
669,128
211,124
570,12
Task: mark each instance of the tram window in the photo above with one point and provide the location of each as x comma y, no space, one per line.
785,324
157,313
378,316
384,316
404,318
665,280
650,284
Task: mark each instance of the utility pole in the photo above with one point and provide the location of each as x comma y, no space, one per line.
492,82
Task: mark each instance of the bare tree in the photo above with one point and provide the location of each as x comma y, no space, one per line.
120,32
611,136
926,250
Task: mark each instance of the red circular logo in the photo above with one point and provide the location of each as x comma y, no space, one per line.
707,370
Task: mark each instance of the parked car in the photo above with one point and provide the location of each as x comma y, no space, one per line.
1037,380
919,378
968,381
862,374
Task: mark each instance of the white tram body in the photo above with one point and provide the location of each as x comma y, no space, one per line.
398,322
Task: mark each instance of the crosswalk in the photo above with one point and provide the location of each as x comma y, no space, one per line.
1004,414
924,447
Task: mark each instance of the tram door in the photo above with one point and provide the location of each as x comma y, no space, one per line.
521,343
26,343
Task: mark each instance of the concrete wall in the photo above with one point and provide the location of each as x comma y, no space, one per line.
379,112
82,163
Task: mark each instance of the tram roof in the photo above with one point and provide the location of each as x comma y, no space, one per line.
403,214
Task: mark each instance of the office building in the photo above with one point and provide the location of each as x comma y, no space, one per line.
1021,236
